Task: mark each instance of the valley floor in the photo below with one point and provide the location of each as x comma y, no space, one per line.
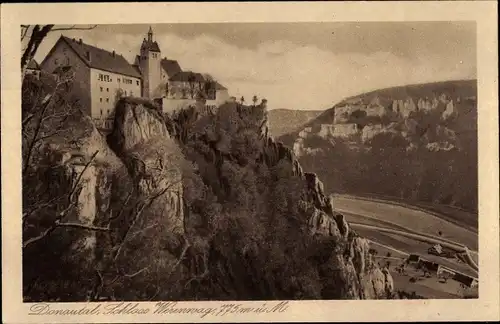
396,232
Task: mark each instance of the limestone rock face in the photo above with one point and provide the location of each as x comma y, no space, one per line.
76,180
88,166
358,277
275,151
141,139
350,269
136,121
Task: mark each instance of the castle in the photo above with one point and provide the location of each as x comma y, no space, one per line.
100,77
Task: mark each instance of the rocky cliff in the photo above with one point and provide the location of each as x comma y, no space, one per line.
414,141
135,227
358,276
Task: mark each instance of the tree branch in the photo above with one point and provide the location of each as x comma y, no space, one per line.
135,273
39,237
62,214
83,226
37,36
138,214
24,31
37,131
81,174
125,237
73,27
122,208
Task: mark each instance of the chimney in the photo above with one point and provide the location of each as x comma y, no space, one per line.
80,41
89,57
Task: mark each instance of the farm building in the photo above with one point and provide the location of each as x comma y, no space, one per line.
444,272
413,258
466,280
428,265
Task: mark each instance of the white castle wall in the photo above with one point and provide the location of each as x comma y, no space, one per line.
345,130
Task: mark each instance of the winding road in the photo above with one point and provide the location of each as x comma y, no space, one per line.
395,220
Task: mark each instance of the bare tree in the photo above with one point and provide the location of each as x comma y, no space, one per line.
45,110
71,198
34,35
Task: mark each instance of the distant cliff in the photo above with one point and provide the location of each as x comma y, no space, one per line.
283,121
415,142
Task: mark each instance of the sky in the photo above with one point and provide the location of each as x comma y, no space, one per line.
308,66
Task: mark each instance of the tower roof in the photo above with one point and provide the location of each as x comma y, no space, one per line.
150,46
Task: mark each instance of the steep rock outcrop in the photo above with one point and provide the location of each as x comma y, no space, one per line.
136,120
348,271
141,139
76,181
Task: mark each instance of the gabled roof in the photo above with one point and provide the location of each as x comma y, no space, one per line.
171,67
219,86
187,76
137,68
33,65
150,46
137,60
100,58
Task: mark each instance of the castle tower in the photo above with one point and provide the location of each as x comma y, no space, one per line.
149,63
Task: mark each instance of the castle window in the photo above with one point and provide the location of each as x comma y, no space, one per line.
107,99
101,89
118,79
101,112
56,61
100,99
137,82
107,89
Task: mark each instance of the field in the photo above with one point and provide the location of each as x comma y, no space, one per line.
422,286
409,246
429,287
415,220
396,231
458,216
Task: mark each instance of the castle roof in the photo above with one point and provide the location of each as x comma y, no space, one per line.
219,86
137,60
150,46
187,76
137,68
171,67
101,59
